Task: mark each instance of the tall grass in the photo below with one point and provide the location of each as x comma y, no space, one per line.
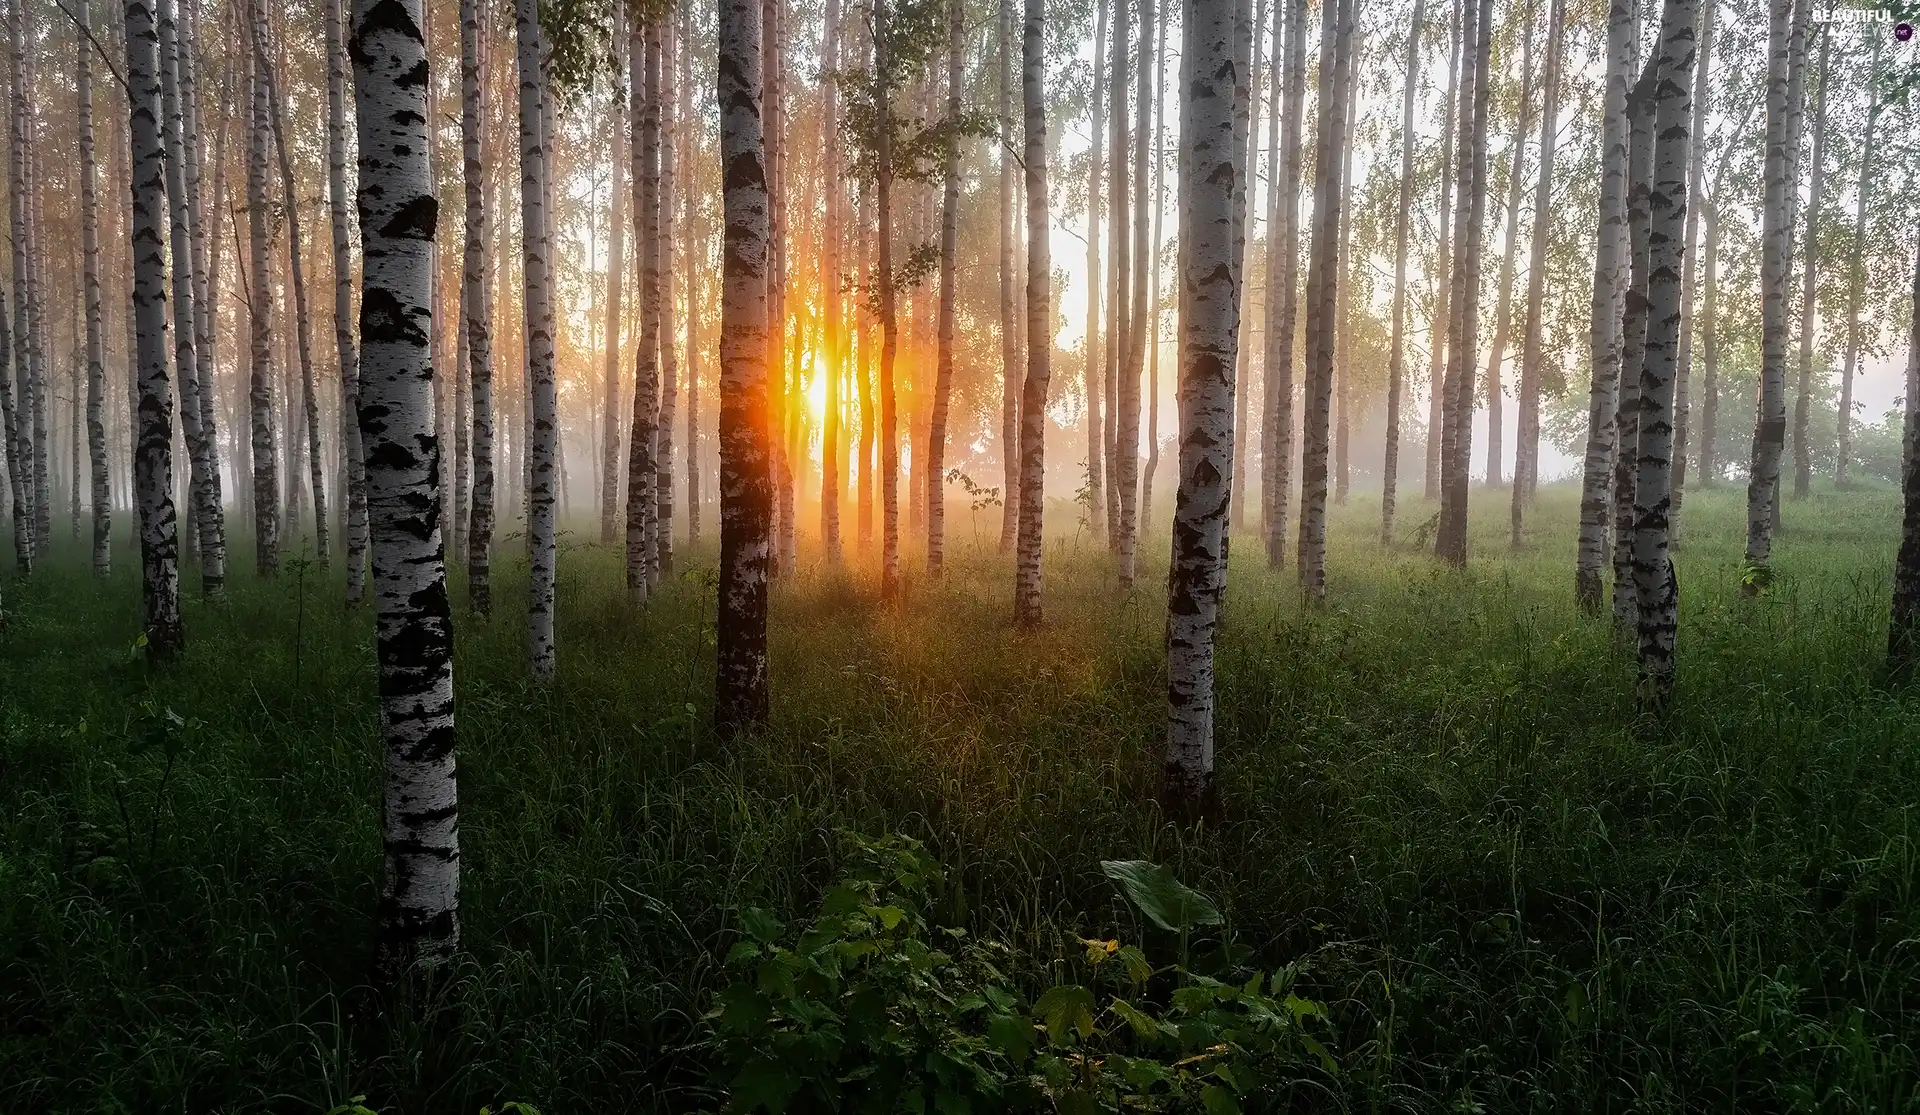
1436,798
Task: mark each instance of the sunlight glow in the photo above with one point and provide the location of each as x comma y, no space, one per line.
817,389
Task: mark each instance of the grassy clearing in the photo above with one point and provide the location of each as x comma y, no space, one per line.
1510,895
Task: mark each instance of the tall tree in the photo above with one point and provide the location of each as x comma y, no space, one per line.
1127,466
420,903
662,309
1809,285
1009,329
345,347
1526,451
833,449
695,256
1396,351
475,308
1097,439
1654,583
616,272
1120,281
1903,633
934,467
24,433
1633,344
537,302
100,495
1503,299
18,486
265,450
746,483
1609,295
1210,164
153,454
1153,314
1776,232
1283,284
1863,196
1469,214
1323,297
1039,329
1443,256
889,329
642,434
1683,373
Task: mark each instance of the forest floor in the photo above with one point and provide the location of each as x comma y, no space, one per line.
1436,804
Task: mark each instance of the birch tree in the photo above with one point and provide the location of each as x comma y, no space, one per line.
1210,279
153,453
346,352
265,451
741,700
1526,451
1009,329
22,466
1809,285
934,467
1469,212
642,469
833,432
889,328
476,308
1127,464
1322,300
1039,329
1776,231
1655,586
616,272
1609,294
1503,298
1863,196
1396,347
537,248
420,900
1633,343
1277,425
662,306
100,497
1903,633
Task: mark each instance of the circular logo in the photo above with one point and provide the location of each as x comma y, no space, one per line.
1903,31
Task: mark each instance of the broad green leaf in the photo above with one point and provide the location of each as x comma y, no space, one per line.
1068,1005
1138,970
1011,1035
760,924
1219,1101
1167,902
1143,1025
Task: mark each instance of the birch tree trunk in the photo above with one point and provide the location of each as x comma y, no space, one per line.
1903,633
1039,328
1633,345
1809,274
18,484
1526,451
1709,471
1776,232
1209,166
537,249
1342,305
746,484
1095,351
1153,313
175,71
1503,299
663,304
1396,349
420,902
1322,299
696,263
1654,583
153,456
889,332
265,451
616,267
101,497
833,342
642,470
1689,286
1442,312
346,353
1120,312
475,307
22,466
1450,540
1863,193
1128,463
935,465
1609,295
1281,328
1009,331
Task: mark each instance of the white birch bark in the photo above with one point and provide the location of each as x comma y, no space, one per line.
1281,329
642,434
1039,327
889,328
1633,343
476,308
1503,298
1209,166
933,469
1809,285
1095,353
538,301
1609,294
153,455
345,348
1655,586
420,899
1863,195
1776,231
22,467
1526,452
1903,632
1009,327
663,306
265,451
1322,296
100,495
1456,435
616,274
1396,350
741,699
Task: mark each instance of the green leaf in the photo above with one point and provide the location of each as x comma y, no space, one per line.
760,924
1143,1025
1011,1035
1068,1005
741,952
1167,902
1138,970
1219,1101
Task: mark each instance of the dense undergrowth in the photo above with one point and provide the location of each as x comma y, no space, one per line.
1438,815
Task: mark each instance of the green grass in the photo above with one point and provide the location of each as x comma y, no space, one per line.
1511,895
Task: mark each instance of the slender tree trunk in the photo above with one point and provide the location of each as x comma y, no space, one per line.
1009,330
1784,41
746,483
935,465
1469,212
1119,311
869,419
642,469
537,249
101,498
833,430
1633,345
475,308
303,329
17,481
21,467
1809,273
1654,582
1437,323
1843,453
1503,300
1903,633
346,353
36,339
889,339
1526,451
616,267
696,264
420,904
1710,350
1322,298
1096,361
265,450
1209,167
1609,296
1127,465
1153,325
1396,350
1683,375
786,401
663,305
1039,328
1281,329
1343,303
153,458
